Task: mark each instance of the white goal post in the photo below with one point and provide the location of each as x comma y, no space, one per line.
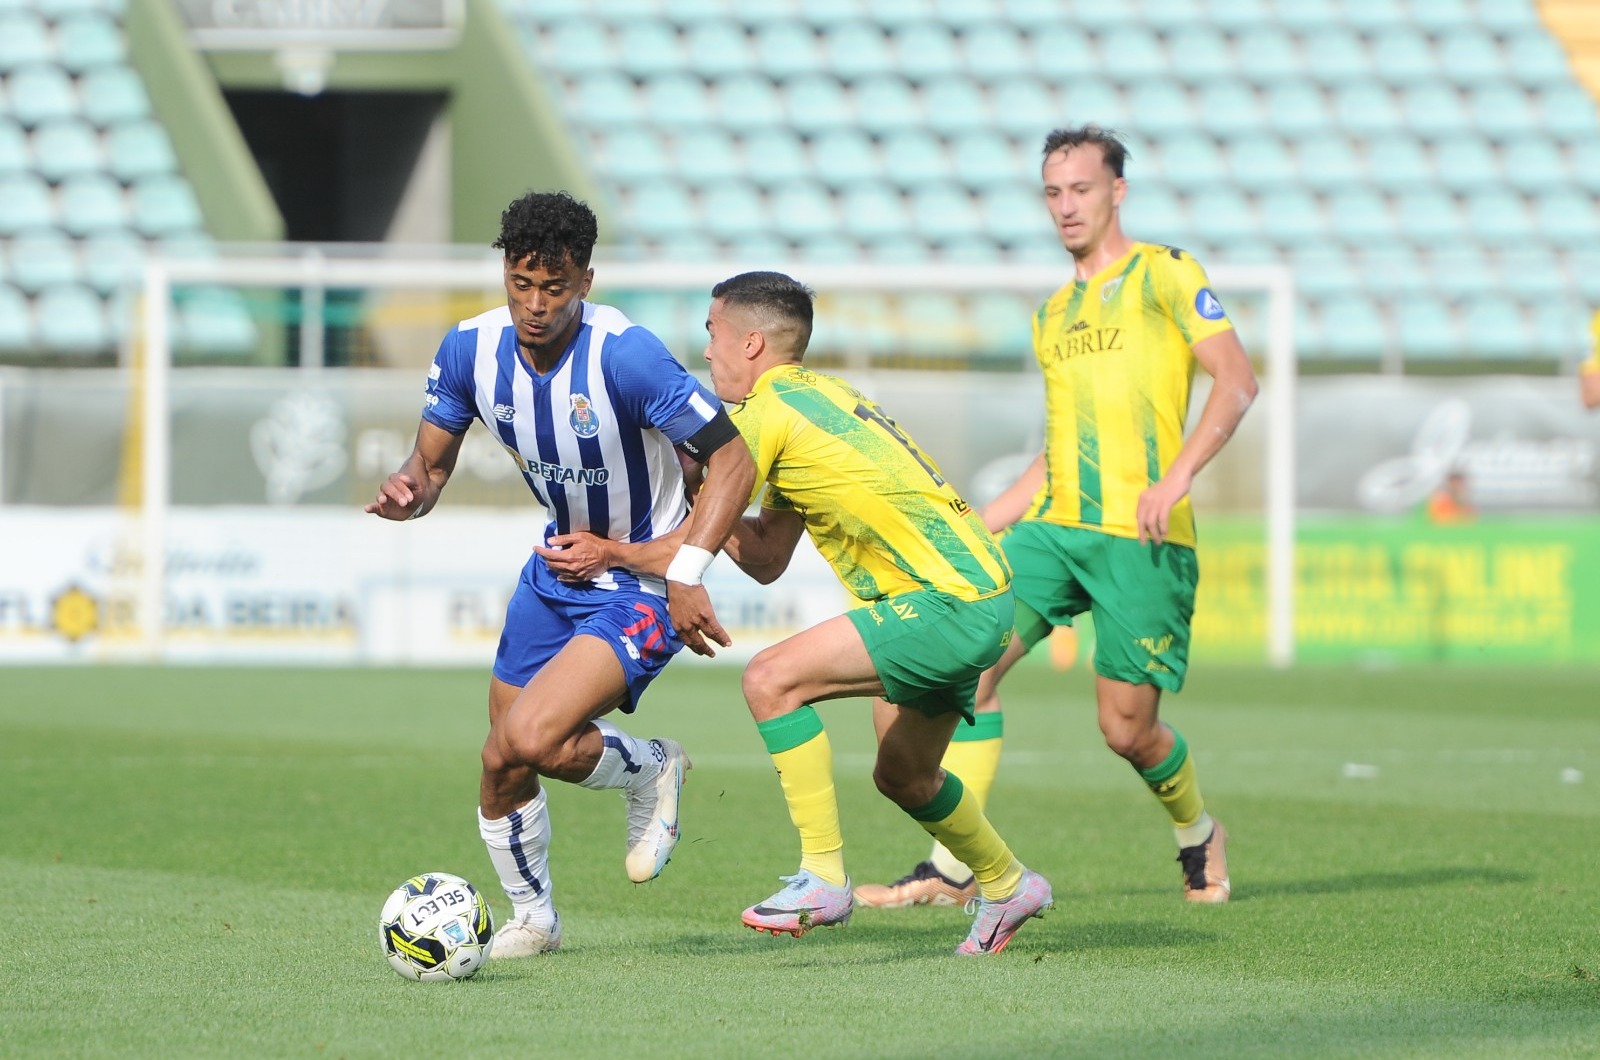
313,271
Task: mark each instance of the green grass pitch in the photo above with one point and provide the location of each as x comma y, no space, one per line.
194,861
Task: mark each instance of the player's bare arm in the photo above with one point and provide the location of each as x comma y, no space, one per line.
730,476
1014,500
413,491
1589,386
1233,389
583,557
763,544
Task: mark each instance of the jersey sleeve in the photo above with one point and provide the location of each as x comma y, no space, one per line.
658,391
1187,294
449,401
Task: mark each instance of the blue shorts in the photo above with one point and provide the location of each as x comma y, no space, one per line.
544,615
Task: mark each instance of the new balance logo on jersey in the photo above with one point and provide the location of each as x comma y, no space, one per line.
1096,340
505,413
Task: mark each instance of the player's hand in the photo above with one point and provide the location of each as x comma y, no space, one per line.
398,498
580,557
1155,507
694,476
693,618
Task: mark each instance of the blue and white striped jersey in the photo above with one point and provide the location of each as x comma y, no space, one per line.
593,438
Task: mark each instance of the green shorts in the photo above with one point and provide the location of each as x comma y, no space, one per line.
1141,597
929,648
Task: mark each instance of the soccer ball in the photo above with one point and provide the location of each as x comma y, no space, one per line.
436,927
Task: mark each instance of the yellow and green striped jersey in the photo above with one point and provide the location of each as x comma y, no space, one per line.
1118,361
876,506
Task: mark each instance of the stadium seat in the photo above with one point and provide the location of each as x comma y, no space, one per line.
1399,162
24,41
25,204
749,102
1221,214
831,248
1467,162
1013,214
886,103
1500,110
15,154
955,105
964,15
1172,14
1469,56
1151,211
1534,59
776,152
1296,109
1441,16
40,94
1427,328
858,49
1401,54
1461,271
138,149
164,205
66,148
818,102
1091,101
86,41
1336,57
995,50
985,157
1200,54
970,250
1267,55
1506,17
874,211
1494,327
1583,264
215,321
845,156
43,259
1323,271
1230,108
1531,272
1560,327
701,156
912,155
1568,111
1373,16
1566,218
1003,322
717,47
1352,328
113,260
1359,216
16,320
943,213
1534,162
1261,161
661,209
649,48
1494,217
1366,108
1429,216
1237,16
1025,106
1163,108
787,49
802,210
1191,161
607,98
1433,109
733,210
579,46
676,101
1291,217
113,94
92,202
1328,162
1308,17
926,51
1132,55
71,319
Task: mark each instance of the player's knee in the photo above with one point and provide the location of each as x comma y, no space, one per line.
899,787
1129,740
767,687
531,748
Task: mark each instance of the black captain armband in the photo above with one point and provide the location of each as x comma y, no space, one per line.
708,439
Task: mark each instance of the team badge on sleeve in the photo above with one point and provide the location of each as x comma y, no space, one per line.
1206,304
585,424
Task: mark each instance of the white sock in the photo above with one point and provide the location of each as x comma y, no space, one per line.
626,762
950,866
519,849
1196,833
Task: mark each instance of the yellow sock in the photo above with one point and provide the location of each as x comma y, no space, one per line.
954,819
800,750
1173,782
974,756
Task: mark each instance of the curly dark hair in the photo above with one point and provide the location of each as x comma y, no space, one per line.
548,228
782,301
1111,146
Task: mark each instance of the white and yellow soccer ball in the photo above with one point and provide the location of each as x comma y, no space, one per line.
436,927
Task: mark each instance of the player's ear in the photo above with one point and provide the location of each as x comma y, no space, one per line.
588,282
1119,190
754,343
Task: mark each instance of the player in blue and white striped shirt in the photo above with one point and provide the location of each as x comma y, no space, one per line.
594,410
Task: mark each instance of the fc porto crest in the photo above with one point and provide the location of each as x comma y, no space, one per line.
584,422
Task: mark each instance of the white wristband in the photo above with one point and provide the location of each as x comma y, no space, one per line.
689,565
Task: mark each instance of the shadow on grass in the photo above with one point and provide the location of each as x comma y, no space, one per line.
1384,881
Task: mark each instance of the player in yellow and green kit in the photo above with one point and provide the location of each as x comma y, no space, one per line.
936,609
1101,521
1589,371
